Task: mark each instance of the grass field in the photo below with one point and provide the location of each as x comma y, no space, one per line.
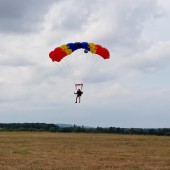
76,151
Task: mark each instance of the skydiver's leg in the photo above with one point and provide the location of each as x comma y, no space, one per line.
76,99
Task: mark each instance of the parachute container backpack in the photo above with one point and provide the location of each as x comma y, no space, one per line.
78,60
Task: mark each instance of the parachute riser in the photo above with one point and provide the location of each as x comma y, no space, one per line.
81,86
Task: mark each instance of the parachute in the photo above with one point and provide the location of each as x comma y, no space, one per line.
77,65
64,50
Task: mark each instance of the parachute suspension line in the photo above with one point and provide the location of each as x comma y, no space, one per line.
66,68
79,85
78,63
95,64
91,68
62,67
71,70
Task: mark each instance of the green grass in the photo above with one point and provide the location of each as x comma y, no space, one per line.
78,151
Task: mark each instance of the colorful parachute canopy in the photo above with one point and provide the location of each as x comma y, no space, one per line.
60,52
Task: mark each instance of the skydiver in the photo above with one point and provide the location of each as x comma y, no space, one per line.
79,93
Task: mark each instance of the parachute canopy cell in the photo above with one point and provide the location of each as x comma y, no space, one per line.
60,52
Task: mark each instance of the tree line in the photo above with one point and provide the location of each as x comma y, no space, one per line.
44,127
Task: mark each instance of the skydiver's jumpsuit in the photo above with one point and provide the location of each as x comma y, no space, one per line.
79,93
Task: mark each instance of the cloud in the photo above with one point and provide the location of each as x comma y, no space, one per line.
119,28
151,60
22,16
117,87
119,25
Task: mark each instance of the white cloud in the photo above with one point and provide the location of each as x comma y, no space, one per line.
153,59
29,78
22,16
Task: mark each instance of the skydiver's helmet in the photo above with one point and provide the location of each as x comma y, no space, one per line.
85,51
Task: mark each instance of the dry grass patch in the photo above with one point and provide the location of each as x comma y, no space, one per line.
78,151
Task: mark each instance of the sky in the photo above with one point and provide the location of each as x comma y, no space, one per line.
131,89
